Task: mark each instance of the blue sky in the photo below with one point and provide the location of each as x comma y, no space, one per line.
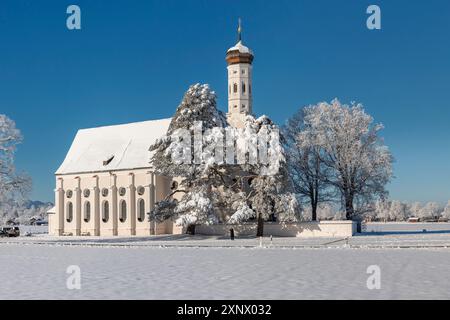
133,60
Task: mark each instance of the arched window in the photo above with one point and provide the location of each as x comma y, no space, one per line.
235,88
123,211
141,210
87,211
105,211
69,213
243,87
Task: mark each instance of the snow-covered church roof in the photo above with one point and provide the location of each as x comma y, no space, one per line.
241,48
116,147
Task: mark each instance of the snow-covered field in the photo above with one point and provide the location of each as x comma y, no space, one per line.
33,229
413,264
39,272
407,227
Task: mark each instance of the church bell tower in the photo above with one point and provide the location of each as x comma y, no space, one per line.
239,59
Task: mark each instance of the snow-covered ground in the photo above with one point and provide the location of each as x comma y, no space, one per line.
39,272
378,235
407,227
33,229
414,265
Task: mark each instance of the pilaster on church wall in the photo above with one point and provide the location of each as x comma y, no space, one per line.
131,203
56,223
77,205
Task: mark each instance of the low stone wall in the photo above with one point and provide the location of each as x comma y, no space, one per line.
338,229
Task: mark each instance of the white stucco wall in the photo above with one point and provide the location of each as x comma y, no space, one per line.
302,230
108,189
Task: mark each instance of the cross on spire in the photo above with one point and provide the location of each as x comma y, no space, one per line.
239,31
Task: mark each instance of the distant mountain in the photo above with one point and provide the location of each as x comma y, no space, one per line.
22,211
36,203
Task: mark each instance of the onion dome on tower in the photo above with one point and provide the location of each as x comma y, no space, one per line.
239,53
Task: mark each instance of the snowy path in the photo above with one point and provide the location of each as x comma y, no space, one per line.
32,271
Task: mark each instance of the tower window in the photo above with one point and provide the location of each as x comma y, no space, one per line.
243,87
235,106
243,71
243,108
235,88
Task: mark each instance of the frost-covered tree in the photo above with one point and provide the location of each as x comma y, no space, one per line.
326,211
267,188
398,211
217,185
430,211
306,168
12,184
414,209
446,211
360,164
21,211
382,208
199,179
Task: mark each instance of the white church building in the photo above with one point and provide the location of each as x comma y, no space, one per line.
106,185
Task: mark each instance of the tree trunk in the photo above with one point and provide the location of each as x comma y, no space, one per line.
260,228
314,212
313,198
349,208
190,229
